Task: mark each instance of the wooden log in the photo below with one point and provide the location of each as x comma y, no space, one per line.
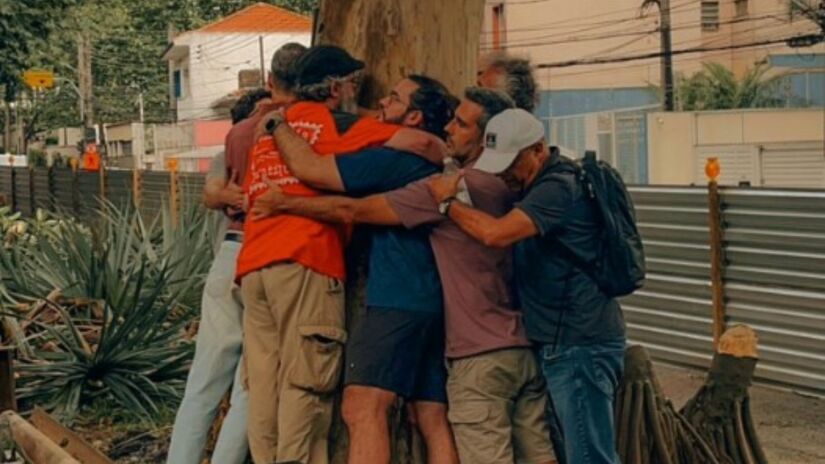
66,439
34,444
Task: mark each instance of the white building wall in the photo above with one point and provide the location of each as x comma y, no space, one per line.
771,148
214,63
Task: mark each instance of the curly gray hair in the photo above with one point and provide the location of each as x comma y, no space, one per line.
517,78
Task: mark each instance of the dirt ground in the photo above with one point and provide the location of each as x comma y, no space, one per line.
790,426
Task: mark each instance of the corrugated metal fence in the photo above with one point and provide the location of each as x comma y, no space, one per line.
774,244
61,189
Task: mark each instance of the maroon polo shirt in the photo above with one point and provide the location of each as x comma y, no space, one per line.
480,314
239,142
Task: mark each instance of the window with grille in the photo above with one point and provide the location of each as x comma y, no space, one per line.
710,16
741,8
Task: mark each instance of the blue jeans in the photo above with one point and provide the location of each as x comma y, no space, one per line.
582,381
215,368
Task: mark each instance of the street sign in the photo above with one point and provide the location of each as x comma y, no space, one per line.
172,164
37,79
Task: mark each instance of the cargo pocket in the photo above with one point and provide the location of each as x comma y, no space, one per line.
468,412
317,365
475,429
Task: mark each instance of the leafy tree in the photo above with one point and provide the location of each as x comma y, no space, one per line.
716,88
128,39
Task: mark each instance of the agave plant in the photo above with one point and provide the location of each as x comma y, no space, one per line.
119,293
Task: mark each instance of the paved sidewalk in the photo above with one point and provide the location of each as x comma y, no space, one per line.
790,426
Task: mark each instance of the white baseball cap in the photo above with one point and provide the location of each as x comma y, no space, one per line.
507,134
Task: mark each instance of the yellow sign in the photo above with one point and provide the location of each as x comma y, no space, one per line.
39,79
172,164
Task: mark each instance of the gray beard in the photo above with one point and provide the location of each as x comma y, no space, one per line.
349,106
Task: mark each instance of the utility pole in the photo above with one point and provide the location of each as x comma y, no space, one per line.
140,105
263,68
7,128
84,78
667,57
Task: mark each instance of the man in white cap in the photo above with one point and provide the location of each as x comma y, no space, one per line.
578,330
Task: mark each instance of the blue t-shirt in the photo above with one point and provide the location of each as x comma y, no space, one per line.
402,272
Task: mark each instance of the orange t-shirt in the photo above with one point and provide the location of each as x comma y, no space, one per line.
316,245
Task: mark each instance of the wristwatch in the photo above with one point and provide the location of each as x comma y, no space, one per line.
444,206
273,123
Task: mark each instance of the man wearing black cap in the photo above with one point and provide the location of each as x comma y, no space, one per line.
291,268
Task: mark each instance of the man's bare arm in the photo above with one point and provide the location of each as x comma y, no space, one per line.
374,209
494,232
220,193
318,171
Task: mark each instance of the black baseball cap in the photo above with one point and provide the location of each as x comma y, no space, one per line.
323,61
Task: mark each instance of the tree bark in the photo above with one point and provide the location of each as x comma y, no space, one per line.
438,38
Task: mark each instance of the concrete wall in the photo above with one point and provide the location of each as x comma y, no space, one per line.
678,144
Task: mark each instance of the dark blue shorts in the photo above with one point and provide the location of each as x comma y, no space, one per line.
401,351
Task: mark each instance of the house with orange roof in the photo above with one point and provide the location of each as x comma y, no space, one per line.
225,57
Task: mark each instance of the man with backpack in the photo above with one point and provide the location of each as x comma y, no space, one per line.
573,225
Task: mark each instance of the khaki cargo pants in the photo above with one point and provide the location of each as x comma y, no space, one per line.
497,408
293,347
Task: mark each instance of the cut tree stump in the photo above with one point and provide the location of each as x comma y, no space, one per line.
720,411
648,428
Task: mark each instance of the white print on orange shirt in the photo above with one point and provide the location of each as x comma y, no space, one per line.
270,165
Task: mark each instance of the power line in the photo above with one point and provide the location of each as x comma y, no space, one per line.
618,69
571,23
678,26
705,42
644,56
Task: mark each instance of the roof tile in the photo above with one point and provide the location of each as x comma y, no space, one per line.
261,17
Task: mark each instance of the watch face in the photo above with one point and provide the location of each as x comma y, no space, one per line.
442,207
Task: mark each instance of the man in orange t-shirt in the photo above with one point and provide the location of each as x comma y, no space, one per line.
291,268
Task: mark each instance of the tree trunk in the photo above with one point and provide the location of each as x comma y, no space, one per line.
720,410
438,38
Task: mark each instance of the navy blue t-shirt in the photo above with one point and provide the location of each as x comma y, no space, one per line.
402,271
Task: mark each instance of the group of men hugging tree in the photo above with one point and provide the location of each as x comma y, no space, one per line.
478,312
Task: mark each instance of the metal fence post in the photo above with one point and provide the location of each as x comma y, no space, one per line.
52,188
174,190
12,189
75,188
717,252
102,179
137,187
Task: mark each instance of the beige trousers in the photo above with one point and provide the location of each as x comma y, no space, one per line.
498,407
294,335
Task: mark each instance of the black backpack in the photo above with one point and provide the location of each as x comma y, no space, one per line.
619,268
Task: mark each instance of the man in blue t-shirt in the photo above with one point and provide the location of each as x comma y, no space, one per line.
397,349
